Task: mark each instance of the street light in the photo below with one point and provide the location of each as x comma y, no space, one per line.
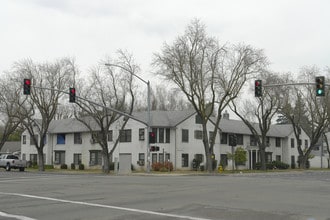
148,112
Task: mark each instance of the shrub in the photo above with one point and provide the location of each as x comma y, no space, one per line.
49,167
274,165
64,166
163,167
81,166
73,166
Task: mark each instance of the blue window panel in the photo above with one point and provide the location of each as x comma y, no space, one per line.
60,138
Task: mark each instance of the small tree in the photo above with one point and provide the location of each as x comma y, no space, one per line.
239,156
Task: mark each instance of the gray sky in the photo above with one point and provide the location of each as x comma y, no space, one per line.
293,33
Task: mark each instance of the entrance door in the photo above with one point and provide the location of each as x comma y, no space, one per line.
253,156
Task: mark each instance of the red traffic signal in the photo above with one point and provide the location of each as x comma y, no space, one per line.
27,87
258,88
72,95
152,137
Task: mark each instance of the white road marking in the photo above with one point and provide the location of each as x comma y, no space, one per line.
20,217
106,206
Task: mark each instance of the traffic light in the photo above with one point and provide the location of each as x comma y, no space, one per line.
152,137
258,88
27,87
154,148
320,86
72,95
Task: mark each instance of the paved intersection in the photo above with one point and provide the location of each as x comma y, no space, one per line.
38,196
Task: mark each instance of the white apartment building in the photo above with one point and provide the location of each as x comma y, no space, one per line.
178,136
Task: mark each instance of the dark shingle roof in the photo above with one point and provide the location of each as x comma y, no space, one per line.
238,127
170,119
11,147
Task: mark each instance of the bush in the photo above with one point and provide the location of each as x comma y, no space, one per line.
73,166
64,166
163,167
49,167
81,166
274,165
279,165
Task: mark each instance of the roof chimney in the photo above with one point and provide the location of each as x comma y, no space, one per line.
226,115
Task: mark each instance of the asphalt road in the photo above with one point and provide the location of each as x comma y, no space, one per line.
49,196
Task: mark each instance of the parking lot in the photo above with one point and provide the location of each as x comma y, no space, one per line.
48,196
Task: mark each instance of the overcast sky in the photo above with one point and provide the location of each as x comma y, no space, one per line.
293,33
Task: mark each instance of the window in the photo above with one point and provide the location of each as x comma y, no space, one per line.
161,158
292,142
211,134
268,157
77,138
77,159
125,135
34,158
95,157
154,158
198,119
185,135
239,139
60,138
32,140
223,160
278,158
198,134
167,157
161,135
110,136
141,134
253,141
155,132
24,139
267,141
278,142
167,135
45,139
59,157
185,159
306,143
199,158
141,158
224,138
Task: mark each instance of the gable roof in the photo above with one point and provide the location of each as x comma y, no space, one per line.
11,147
164,118
239,127
170,119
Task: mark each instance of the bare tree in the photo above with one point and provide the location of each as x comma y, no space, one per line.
48,80
257,114
308,112
9,108
209,74
111,87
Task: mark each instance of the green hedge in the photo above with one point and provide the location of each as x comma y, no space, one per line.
274,165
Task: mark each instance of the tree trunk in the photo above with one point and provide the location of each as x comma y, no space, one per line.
41,166
302,161
262,158
106,162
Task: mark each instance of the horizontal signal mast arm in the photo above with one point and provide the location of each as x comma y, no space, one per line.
94,103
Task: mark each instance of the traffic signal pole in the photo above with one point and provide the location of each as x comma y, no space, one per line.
94,103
